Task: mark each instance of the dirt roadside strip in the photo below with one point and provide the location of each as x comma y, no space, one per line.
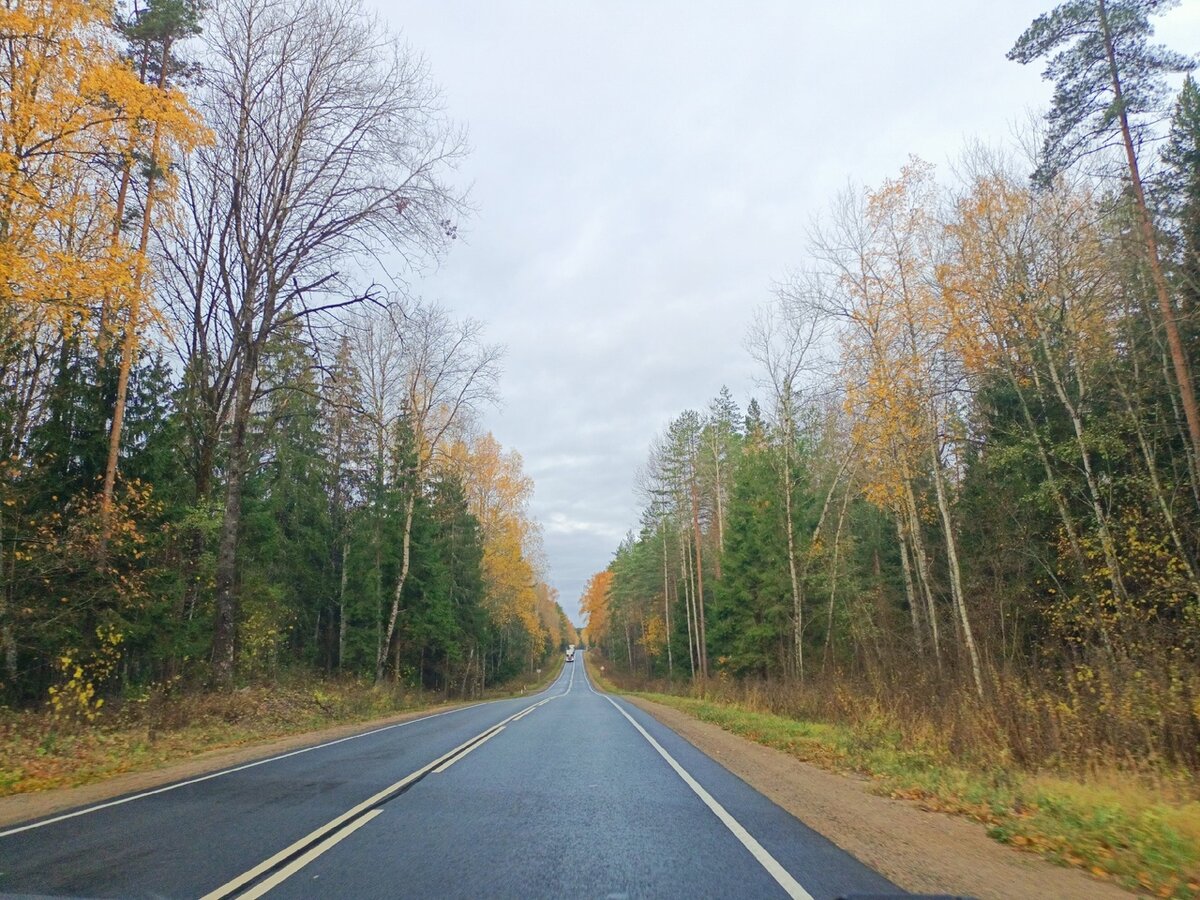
23,807
919,850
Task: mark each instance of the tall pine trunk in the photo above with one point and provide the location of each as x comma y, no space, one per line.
129,343
667,606
699,556
1179,361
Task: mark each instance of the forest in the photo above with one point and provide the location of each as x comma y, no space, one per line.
966,493
236,440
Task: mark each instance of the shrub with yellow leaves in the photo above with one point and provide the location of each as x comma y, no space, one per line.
75,696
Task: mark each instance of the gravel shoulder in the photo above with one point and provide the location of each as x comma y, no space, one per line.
920,850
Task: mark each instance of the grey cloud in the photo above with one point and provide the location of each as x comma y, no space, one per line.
644,171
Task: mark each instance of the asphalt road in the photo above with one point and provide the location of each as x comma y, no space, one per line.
569,791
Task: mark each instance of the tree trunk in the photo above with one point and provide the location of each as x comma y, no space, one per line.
1111,559
922,566
123,195
797,600
702,637
8,639
833,575
225,626
720,505
956,589
1060,502
667,607
341,650
1159,494
406,546
906,569
467,672
129,344
191,565
685,574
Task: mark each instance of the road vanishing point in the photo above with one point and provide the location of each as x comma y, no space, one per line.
571,791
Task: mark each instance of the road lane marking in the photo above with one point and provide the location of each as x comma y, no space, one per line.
300,862
250,875
448,763
211,775
250,765
765,859
526,712
236,884
588,680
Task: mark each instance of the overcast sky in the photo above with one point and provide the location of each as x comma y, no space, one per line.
644,171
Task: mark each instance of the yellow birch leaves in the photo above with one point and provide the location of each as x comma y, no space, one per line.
72,115
498,492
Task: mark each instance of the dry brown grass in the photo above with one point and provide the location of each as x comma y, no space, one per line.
151,728
1143,720
1097,768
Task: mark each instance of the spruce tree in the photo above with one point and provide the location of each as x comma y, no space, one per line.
1182,156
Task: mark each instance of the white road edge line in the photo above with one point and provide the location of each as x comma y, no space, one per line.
448,763
765,859
587,679
295,866
241,768
211,775
236,884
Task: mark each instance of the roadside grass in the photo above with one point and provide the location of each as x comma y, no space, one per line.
148,730
1143,836
599,679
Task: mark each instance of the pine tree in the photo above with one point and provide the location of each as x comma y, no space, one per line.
1108,81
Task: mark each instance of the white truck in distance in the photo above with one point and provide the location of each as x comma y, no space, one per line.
570,653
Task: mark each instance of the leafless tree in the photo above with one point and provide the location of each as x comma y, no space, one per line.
785,340
431,372
330,149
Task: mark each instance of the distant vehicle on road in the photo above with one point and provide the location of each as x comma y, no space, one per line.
571,653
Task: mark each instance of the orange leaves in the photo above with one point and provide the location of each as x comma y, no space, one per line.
891,347
498,493
1023,269
594,605
497,487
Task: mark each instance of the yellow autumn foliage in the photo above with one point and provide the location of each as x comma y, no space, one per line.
498,493
73,114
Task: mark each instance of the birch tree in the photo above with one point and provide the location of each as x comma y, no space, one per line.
784,340
446,373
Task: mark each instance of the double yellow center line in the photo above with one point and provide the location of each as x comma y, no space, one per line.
295,856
